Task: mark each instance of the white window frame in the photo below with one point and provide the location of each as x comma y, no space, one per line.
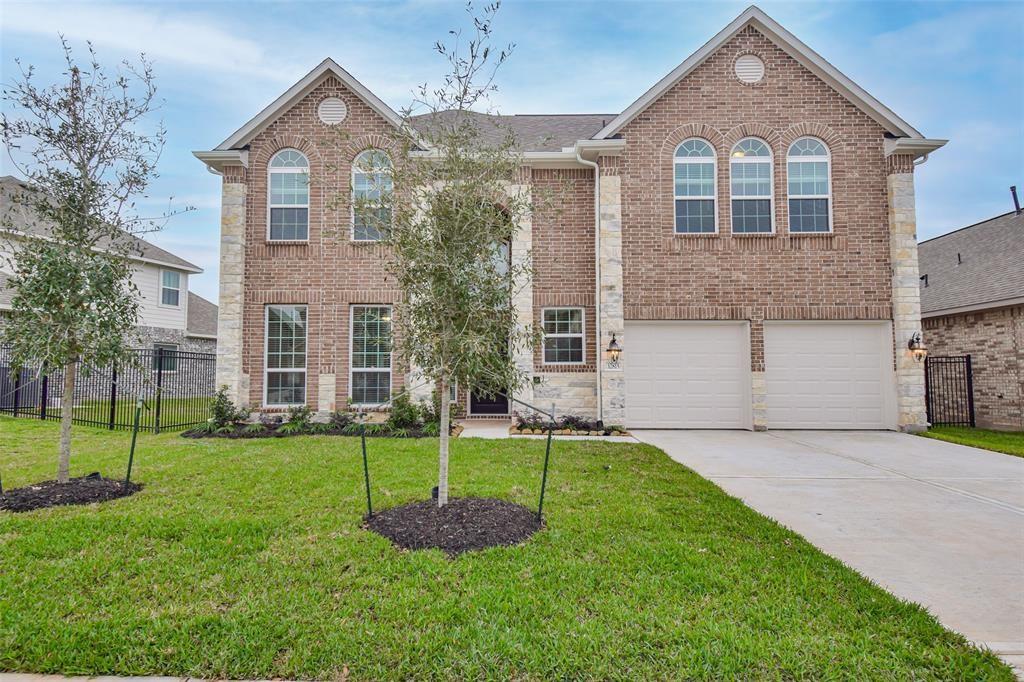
771,184
270,206
582,335
453,392
713,159
356,168
160,297
828,172
266,356
351,350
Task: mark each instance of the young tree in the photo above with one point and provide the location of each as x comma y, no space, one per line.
86,152
448,227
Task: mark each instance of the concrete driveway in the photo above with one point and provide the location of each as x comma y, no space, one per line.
935,523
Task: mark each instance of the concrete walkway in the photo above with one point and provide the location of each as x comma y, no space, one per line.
932,522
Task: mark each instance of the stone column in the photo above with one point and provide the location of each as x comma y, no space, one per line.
520,255
906,293
232,288
613,383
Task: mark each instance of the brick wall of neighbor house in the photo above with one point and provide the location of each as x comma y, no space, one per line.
995,341
844,275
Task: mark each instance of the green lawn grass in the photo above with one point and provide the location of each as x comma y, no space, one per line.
1008,442
246,559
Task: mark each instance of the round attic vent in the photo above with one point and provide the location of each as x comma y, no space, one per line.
332,111
749,68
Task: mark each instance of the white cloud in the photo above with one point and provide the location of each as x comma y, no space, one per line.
187,39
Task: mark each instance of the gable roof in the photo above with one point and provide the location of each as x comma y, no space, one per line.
535,132
20,221
771,29
300,90
202,317
974,266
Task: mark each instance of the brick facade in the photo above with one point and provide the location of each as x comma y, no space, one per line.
647,271
995,341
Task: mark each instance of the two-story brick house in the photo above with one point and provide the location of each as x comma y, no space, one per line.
745,231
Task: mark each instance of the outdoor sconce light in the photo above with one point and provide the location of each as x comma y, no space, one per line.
917,347
614,351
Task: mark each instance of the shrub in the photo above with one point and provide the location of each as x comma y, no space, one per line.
340,419
297,420
404,414
577,423
255,427
223,412
531,420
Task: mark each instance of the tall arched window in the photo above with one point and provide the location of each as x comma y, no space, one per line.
289,197
750,170
695,187
371,194
810,198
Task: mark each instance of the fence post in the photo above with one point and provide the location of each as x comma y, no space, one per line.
159,386
970,389
44,396
113,395
927,390
17,390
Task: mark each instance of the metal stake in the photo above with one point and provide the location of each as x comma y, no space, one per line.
547,456
135,433
366,467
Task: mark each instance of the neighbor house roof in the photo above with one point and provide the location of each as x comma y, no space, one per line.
202,317
975,267
17,215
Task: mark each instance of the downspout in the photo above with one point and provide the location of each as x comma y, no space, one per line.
597,279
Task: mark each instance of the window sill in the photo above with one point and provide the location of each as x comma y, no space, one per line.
288,242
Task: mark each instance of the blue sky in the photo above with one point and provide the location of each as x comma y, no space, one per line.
952,69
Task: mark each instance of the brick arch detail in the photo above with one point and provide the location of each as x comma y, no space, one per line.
760,130
360,144
685,132
276,144
830,137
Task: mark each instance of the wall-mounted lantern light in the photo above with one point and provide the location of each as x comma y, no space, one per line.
614,351
917,347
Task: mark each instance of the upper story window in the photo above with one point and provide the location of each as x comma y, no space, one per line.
170,288
289,196
750,171
695,187
810,198
371,188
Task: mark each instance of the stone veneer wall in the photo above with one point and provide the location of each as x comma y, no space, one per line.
232,288
145,337
995,341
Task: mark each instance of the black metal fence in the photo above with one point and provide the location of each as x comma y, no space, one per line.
177,386
949,390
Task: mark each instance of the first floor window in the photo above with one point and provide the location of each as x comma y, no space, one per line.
170,287
563,336
371,354
286,355
165,357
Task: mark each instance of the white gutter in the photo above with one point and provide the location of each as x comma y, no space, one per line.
597,277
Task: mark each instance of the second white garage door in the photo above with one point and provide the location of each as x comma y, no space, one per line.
687,375
829,375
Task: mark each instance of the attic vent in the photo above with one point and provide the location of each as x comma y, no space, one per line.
332,111
749,68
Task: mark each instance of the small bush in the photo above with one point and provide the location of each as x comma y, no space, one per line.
532,420
404,414
340,419
297,420
223,412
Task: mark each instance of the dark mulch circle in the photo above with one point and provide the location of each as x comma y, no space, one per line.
84,490
463,525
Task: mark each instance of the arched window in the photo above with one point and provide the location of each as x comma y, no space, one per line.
695,187
810,197
371,194
750,169
289,197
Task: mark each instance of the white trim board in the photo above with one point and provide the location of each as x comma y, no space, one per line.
771,29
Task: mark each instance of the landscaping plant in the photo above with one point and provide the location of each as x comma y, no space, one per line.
87,151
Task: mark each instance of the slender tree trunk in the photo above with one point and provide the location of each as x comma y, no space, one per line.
442,480
67,405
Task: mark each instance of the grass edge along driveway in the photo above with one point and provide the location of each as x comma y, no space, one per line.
246,559
1006,442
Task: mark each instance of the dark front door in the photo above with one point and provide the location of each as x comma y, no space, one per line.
480,404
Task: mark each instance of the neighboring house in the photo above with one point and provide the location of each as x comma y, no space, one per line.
745,231
972,302
170,316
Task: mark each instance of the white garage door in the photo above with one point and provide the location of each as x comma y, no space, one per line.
829,375
693,375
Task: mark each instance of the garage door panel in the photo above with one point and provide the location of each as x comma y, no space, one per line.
687,375
829,375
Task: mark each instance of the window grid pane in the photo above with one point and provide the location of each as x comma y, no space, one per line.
169,297
695,215
563,335
563,349
286,388
371,388
751,179
695,180
751,215
808,178
808,215
289,223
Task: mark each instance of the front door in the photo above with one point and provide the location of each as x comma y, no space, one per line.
496,404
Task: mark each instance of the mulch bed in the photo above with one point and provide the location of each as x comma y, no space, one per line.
84,490
463,525
272,433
